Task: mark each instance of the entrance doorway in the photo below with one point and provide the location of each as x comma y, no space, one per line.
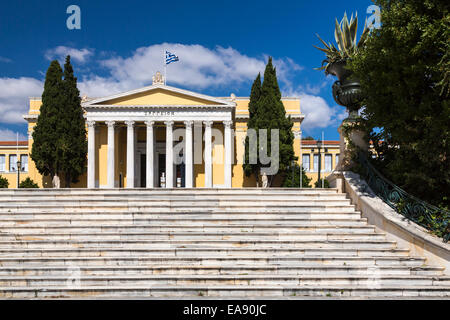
143,171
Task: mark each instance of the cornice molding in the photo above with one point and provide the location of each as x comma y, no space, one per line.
159,86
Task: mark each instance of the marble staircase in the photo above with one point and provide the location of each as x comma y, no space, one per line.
143,243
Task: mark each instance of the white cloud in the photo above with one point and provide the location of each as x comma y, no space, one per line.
60,53
14,94
9,135
199,67
318,114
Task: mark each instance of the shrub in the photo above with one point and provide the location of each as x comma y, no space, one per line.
28,183
318,184
3,182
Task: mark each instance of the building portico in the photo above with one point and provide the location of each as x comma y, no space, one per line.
126,114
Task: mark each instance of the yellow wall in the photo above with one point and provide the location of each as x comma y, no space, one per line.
12,176
333,150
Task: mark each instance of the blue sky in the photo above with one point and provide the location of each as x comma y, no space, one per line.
222,45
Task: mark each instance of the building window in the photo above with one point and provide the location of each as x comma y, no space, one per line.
316,163
336,160
305,162
24,162
328,160
12,162
2,163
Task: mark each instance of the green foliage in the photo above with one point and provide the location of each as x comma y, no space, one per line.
28,183
403,71
72,147
60,145
4,183
292,179
318,183
308,138
46,133
267,112
345,36
255,95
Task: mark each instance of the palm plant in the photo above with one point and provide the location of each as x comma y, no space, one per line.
345,36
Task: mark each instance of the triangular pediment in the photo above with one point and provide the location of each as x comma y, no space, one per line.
158,95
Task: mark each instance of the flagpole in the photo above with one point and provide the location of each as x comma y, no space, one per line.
165,67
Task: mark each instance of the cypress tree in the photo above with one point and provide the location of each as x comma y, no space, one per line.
45,133
255,95
268,113
72,146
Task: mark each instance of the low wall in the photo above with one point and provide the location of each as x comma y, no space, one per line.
406,233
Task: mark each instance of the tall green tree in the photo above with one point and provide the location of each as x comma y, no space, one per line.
268,113
255,94
72,146
46,133
404,70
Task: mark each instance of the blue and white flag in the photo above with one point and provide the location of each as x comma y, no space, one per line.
170,57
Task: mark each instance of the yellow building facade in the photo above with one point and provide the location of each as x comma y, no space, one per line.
127,137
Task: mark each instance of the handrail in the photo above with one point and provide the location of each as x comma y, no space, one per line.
435,219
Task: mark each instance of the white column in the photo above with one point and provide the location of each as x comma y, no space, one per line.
228,153
111,152
150,155
169,154
208,154
189,174
130,153
91,155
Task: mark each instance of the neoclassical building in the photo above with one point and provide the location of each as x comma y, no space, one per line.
128,133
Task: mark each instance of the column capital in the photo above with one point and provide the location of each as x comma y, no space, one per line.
228,123
110,124
188,123
149,123
208,123
169,123
298,134
130,123
90,124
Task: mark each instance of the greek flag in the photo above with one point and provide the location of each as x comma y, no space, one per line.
170,57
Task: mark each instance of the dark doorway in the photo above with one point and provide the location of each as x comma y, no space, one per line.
161,166
143,171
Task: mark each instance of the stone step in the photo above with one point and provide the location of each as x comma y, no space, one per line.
223,291
319,270
157,201
179,207
288,229
55,249
198,252
160,191
193,221
179,235
371,280
282,216
179,197
38,258
217,244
